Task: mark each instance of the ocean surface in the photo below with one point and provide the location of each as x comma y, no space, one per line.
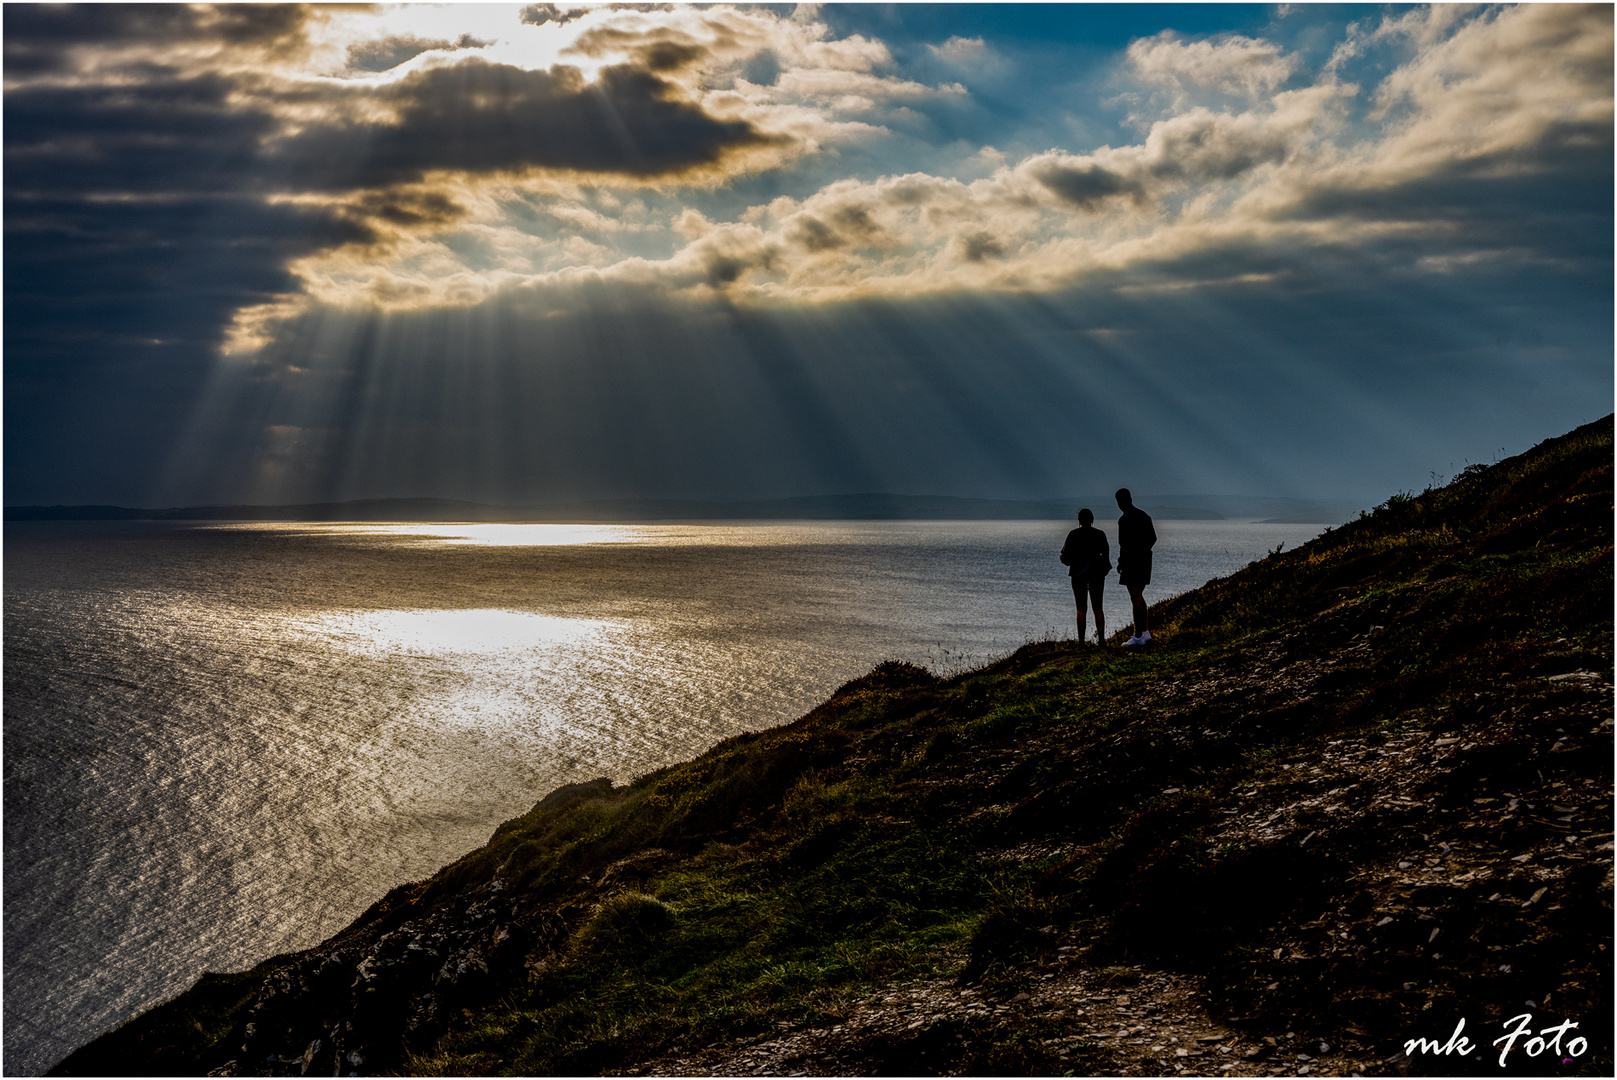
226,741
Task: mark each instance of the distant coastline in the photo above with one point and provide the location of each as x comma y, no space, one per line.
857,507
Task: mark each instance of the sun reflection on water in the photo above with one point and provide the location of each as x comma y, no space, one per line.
477,631
729,533
482,534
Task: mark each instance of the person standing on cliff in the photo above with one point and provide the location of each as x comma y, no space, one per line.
1090,559
1135,538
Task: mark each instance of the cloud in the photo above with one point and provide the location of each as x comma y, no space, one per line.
384,54
478,117
1034,224
960,50
658,92
1477,100
1510,89
380,132
540,14
453,173
1231,63
44,40
856,91
1085,183
1488,116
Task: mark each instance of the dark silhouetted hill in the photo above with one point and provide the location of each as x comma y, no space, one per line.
1356,793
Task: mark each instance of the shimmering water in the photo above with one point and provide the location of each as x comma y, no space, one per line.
226,741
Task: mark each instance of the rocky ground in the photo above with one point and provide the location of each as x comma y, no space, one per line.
1458,855
1114,1021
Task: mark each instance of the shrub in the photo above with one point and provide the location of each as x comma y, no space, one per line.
625,925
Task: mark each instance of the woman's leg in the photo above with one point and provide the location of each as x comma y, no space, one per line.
1095,587
1078,596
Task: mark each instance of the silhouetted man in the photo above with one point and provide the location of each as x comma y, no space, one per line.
1090,559
1135,538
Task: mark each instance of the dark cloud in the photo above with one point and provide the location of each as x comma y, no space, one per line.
135,227
387,53
1088,185
41,37
814,235
480,117
1208,146
407,208
177,134
540,14
1563,201
656,48
114,314
857,220
136,224
851,225
724,268
148,128
670,55
1198,147
978,247
168,134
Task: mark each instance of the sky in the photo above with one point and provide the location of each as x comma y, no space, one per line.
516,254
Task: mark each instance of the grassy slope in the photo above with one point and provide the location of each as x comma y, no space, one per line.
785,872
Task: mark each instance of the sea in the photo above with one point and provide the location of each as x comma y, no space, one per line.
224,741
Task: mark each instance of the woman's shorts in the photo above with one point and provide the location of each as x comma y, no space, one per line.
1085,589
1134,568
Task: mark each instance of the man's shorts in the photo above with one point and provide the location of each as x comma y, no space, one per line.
1134,568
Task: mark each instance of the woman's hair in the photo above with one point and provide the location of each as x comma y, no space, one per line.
1086,516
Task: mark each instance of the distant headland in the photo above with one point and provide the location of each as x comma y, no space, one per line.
866,506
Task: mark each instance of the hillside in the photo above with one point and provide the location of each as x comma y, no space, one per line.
1355,793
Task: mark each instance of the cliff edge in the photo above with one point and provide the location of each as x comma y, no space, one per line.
1355,794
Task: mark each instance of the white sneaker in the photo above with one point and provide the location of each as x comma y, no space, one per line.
1145,638
1133,641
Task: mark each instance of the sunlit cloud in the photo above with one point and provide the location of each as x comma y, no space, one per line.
1273,173
1233,64
455,116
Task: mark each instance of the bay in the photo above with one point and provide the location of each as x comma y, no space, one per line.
224,741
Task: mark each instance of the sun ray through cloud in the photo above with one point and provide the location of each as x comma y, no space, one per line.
497,242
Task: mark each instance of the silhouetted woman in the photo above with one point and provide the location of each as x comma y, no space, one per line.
1089,557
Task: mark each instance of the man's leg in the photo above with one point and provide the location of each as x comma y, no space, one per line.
1137,600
